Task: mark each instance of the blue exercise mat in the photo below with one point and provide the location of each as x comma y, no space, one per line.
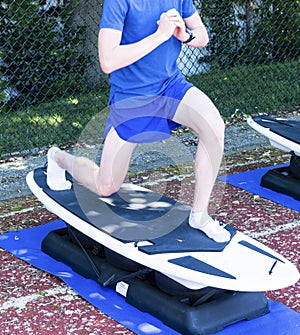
250,182
26,245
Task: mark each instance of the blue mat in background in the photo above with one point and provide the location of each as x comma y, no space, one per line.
26,245
250,182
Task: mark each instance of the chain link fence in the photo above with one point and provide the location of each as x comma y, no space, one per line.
51,83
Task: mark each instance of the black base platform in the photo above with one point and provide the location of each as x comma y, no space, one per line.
190,312
283,180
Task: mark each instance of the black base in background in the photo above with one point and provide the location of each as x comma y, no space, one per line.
190,312
282,181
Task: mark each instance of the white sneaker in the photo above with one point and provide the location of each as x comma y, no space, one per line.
56,176
212,228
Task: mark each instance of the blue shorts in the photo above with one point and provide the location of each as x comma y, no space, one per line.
149,118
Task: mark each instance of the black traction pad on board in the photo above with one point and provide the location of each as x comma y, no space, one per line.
128,215
162,220
288,129
185,239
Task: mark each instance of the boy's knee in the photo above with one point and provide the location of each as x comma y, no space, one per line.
107,189
217,133
220,128
213,129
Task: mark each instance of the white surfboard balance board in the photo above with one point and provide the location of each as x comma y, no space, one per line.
283,134
153,230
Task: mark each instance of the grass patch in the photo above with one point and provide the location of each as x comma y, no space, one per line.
252,89
56,122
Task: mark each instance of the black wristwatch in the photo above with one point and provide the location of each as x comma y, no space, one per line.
191,37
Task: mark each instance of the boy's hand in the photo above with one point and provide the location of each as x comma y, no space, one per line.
180,30
166,26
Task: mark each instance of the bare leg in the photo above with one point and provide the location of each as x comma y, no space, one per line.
107,178
197,112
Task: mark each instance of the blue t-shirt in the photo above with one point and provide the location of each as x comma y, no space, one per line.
153,73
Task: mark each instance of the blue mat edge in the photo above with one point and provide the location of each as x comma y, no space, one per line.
114,305
250,182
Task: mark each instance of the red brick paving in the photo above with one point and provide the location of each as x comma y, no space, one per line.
36,303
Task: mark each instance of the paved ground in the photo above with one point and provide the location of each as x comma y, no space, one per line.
12,173
36,303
